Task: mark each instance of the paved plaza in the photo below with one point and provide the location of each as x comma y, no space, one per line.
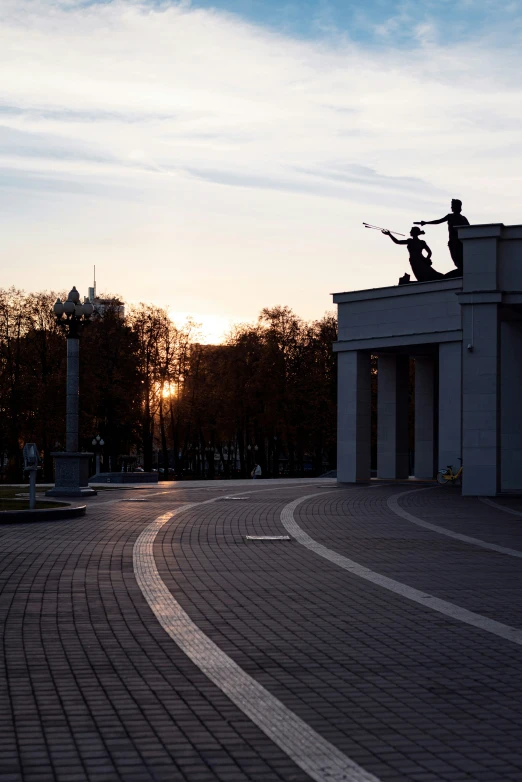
149,641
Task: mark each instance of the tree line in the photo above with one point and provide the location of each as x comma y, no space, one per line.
149,388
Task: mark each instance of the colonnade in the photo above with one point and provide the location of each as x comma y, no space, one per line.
437,412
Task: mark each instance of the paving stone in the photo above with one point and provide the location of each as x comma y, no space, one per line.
96,690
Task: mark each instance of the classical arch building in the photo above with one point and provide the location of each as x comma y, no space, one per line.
465,335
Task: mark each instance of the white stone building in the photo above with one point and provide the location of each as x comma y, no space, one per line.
466,337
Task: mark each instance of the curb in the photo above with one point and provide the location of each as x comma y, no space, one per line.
44,514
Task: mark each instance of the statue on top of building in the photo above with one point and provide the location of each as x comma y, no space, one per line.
420,255
454,219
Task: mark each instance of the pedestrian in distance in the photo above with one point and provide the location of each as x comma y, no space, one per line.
256,472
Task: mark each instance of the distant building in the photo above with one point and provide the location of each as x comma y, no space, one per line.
102,305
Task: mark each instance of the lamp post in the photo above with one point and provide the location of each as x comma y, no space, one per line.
71,466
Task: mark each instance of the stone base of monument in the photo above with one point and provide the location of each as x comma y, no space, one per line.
71,472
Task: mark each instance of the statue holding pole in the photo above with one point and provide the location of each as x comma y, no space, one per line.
420,255
454,219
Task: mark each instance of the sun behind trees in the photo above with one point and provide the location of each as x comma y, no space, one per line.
149,387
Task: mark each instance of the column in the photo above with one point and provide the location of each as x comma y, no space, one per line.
450,404
424,417
480,400
353,417
511,409
71,466
480,243
72,391
392,416
480,301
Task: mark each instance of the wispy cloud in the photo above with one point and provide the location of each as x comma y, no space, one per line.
353,173
321,183
238,129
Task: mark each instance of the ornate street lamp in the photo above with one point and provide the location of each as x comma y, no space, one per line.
71,466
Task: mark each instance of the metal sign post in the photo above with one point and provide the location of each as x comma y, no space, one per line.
31,460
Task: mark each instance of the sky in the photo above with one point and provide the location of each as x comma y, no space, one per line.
220,157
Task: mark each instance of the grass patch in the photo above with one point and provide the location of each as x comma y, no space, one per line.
12,491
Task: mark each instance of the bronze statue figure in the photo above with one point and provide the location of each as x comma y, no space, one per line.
454,219
419,262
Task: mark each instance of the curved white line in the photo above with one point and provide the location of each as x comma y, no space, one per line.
393,505
310,751
513,634
495,505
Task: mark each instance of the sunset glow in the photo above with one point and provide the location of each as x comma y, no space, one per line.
222,156
168,390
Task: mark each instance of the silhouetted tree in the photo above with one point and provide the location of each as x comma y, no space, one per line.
148,387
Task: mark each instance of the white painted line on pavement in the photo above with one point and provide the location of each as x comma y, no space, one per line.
393,504
310,751
495,505
513,634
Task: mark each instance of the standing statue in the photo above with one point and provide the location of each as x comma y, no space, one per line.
420,263
454,219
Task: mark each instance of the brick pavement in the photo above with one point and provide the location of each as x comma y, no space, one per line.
94,689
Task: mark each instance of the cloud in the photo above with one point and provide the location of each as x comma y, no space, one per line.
39,112
23,144
325,184
201,109
355,174
182,85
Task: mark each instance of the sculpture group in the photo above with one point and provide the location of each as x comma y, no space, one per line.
420,253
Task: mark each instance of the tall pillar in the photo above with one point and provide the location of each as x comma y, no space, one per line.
392,416
72,392
480,399
480,300
424,417
450,405
511,409
354,417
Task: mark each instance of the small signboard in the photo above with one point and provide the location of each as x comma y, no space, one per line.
31,457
